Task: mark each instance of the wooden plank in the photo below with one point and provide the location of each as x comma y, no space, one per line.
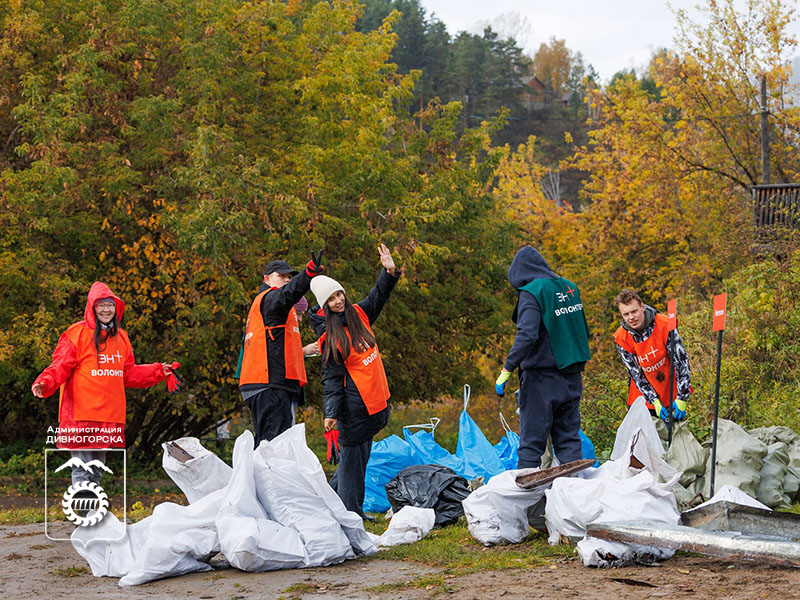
533,479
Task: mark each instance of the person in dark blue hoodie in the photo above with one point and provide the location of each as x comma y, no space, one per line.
550,350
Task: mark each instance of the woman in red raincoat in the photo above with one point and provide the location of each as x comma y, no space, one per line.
92,365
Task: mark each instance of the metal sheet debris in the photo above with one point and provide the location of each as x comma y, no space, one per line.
729,516
725,544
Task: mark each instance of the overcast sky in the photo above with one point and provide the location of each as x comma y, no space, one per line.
611,34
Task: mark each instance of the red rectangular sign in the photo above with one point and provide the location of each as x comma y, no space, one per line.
672,314
719,312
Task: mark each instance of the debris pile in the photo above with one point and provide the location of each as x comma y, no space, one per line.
273,510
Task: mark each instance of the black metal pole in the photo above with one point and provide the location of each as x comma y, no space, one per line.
670,422
716,414
765,174
671,399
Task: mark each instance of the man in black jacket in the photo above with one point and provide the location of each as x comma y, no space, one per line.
270,396
550,349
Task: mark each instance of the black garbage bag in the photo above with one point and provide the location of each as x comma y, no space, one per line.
429,486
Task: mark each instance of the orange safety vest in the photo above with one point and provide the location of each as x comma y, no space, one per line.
255,367
366,369
653,359
98,382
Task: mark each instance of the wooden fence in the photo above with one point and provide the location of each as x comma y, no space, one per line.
776,210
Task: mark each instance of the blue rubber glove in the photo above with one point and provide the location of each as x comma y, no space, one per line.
679,412
500,384
661,411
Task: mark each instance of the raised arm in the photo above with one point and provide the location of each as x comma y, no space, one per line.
378,295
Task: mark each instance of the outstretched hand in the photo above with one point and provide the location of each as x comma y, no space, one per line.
386,259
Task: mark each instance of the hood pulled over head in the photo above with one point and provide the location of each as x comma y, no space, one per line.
100,291
528,264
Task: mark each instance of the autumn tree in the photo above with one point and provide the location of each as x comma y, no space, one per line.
670,159
172,148
558,67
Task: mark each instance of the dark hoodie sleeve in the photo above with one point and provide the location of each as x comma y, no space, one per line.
378,295
529,318
276,305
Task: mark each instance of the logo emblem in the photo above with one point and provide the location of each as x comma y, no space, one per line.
645,357
85,503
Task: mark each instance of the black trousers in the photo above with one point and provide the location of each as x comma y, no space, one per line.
348,481
272,413
549,405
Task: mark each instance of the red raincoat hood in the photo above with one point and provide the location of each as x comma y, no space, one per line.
98,291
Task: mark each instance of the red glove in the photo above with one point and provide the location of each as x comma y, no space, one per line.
333,446
173,383
315,266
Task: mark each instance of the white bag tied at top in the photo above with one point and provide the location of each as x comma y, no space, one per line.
249,538
291,446
193,468
289,499
497,513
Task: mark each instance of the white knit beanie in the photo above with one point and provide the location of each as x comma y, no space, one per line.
323,288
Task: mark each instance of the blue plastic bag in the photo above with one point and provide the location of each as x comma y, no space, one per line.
389,456
508,445
587,448
428,450
478,456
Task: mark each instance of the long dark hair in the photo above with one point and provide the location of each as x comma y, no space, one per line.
102,334
336,336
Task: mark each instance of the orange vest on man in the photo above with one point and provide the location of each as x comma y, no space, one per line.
653,359
255,367
366,369
99,379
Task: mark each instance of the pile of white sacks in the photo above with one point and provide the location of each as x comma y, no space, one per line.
764,463
637,483
273,510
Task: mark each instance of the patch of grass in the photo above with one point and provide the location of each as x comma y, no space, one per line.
453,552
297,590
25,516
70,571
300,588
428,582
794,508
